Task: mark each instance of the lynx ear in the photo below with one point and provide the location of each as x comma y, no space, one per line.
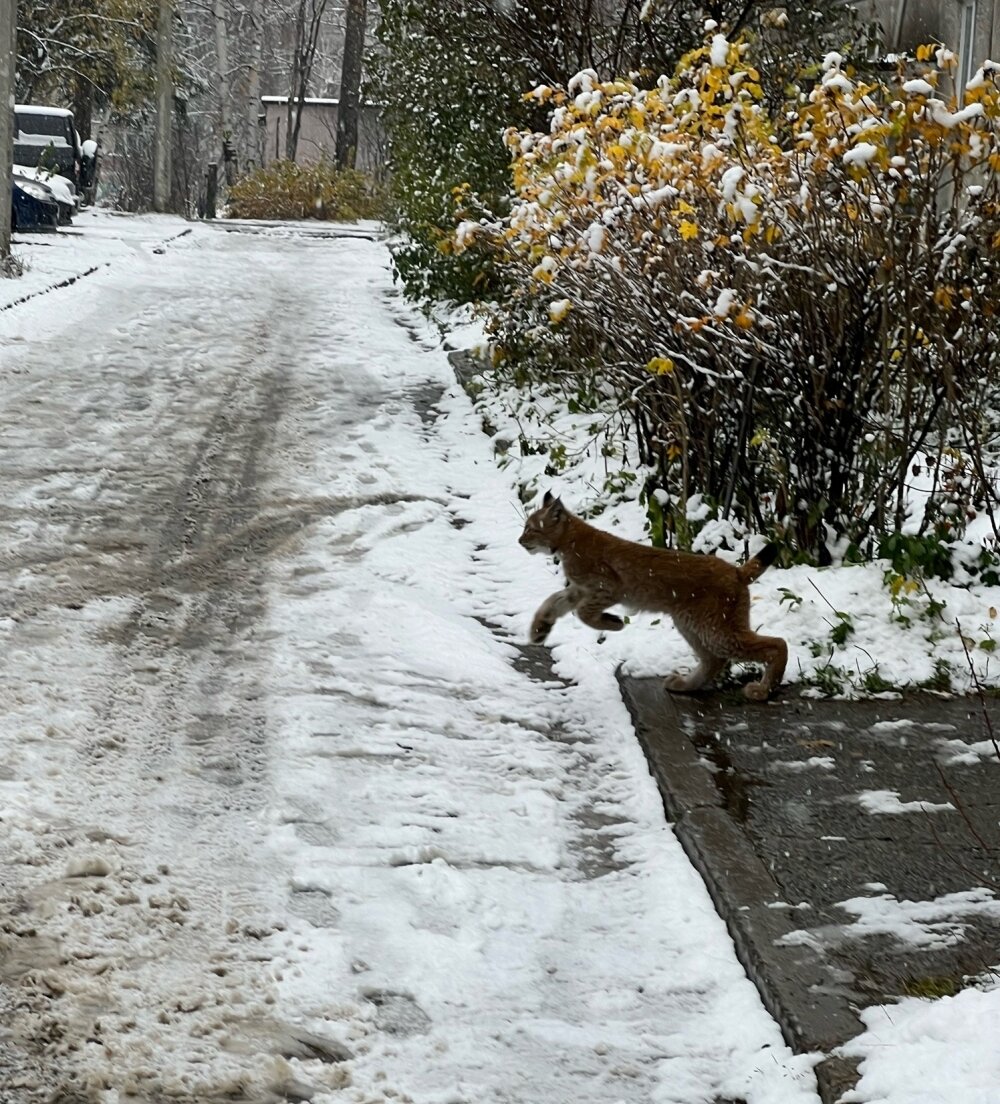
547,498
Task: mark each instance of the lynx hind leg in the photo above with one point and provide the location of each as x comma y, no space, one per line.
709,667
772,651
548,613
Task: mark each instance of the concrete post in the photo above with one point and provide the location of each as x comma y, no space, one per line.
8,59
164,108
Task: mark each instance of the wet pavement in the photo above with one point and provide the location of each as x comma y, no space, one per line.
853,848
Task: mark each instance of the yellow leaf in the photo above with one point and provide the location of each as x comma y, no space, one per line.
943,296
744,319
660,366
688,229
926,51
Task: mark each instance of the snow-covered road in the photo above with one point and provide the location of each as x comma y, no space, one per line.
283,816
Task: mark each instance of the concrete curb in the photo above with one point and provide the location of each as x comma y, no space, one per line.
792,979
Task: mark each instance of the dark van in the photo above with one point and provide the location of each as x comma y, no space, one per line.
46,137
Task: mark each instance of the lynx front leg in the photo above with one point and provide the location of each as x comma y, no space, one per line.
555,606
592,613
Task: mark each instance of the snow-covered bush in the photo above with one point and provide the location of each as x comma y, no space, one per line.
286,190
450,74
792,306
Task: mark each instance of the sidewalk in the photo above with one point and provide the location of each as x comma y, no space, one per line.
98,238
851,847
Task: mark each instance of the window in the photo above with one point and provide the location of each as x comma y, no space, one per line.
37,125
966,43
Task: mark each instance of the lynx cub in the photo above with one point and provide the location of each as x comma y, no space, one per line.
707,597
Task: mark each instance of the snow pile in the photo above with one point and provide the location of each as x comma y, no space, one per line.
924,1052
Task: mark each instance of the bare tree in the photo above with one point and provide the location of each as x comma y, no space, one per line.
225,101
8,32
255,14
308,23
350,84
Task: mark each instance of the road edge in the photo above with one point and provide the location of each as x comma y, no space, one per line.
792,978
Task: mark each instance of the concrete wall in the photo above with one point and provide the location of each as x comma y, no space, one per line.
318,134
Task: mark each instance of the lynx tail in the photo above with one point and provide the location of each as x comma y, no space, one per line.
756,566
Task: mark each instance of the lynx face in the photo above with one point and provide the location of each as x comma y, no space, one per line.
542,529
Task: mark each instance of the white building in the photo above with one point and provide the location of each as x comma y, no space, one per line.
318,132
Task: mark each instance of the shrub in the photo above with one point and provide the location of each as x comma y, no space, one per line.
286,190
444,78
790,305
450,76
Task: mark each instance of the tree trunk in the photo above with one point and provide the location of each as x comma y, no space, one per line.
350,85
293,118
257,133
83,107
162,161
8,54
225,100
308,22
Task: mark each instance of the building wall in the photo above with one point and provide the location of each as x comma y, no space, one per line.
318,133
907,23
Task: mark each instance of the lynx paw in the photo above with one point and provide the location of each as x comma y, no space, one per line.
680,684
756,692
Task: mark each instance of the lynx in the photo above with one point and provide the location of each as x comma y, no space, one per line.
707,597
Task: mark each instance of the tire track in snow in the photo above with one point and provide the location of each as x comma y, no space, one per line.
148,933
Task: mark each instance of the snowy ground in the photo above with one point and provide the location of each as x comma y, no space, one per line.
281,816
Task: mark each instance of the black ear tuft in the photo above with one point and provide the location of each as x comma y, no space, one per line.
547,498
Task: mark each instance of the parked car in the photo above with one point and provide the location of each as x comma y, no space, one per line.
33,205
46,138
61,187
